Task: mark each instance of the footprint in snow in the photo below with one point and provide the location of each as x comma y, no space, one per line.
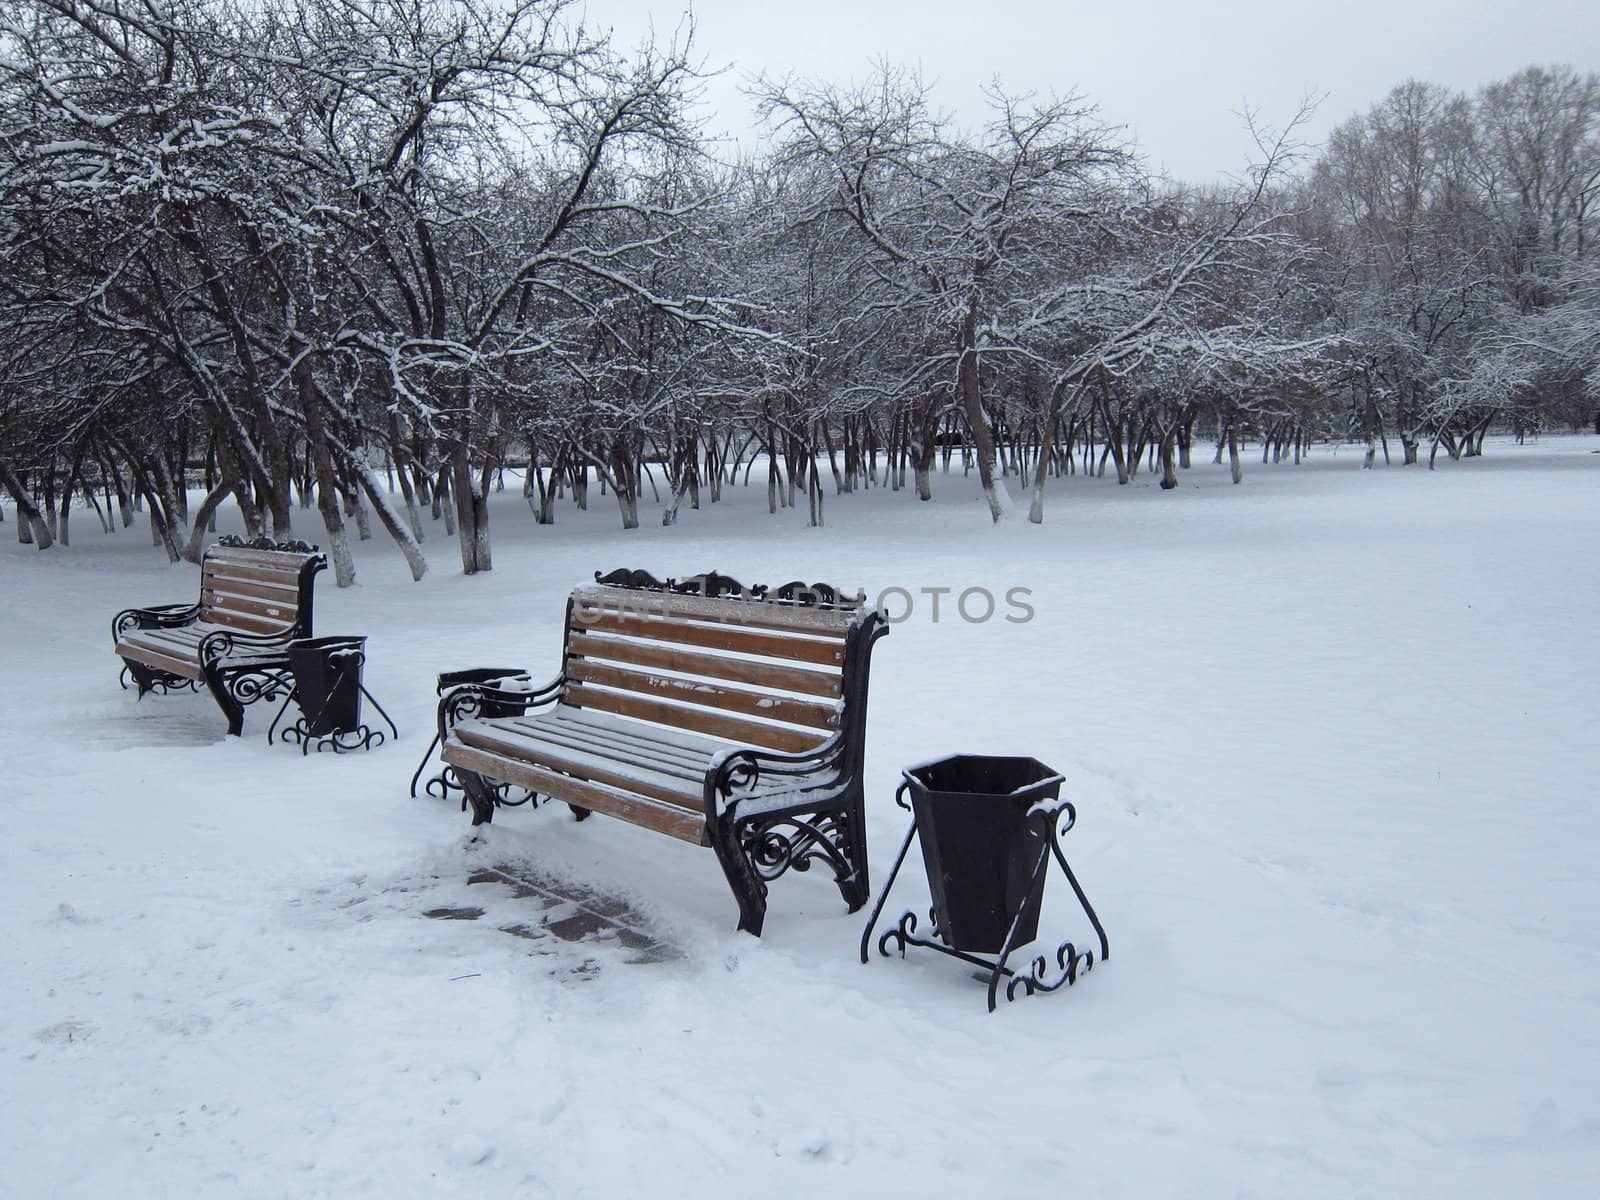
469,1151
64,1032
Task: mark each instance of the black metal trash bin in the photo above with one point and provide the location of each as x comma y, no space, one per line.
327,682
981,852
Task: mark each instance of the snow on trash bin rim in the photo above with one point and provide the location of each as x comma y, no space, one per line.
1055,777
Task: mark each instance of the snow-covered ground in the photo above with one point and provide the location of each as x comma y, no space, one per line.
1331,736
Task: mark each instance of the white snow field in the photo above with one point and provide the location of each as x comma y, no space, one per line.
1331,735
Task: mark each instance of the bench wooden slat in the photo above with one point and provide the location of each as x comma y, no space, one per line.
284,574
586,737
730,638
184,642
244,622
738,670
690,691
185,637
531,746
267,610
755,614
608,725
273,560
188,668
738,729
638,810
282,593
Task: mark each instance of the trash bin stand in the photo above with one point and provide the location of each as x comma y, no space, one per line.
328,688
1047,820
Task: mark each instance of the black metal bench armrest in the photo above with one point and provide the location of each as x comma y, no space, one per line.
231,643
738,772
154,616
479,691
484,676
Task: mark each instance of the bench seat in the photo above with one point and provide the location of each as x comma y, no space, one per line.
630,769
177,650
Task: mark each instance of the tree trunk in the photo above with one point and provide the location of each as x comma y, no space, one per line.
193,549
687,456
547,493
972,401
74,475
166,499
88,495
1052,422
772,479
1235,463
623,483
115,485
161,526
1169,466
327,486
390,519
927,450
354,507
408,493
472,513
814,494
1117,454
31,525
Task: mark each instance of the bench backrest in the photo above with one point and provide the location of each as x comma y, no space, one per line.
765,673
259,591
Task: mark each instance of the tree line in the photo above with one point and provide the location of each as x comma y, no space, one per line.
368,254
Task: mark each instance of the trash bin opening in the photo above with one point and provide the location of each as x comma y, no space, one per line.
982,774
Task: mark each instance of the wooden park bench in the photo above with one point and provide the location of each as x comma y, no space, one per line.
725,716
255,598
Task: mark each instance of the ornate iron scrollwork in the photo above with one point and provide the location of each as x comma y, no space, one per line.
473,693
742,772
1070,963
124,623
362,737
506,795
712,583
641,580
248,686
340,741
814,595
160,616
160,683
793,842
292,546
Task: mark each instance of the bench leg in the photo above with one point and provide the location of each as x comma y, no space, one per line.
143,677
217,685
748,888
856,886
480,794
147,679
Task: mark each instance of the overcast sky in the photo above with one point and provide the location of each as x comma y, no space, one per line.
1174,73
